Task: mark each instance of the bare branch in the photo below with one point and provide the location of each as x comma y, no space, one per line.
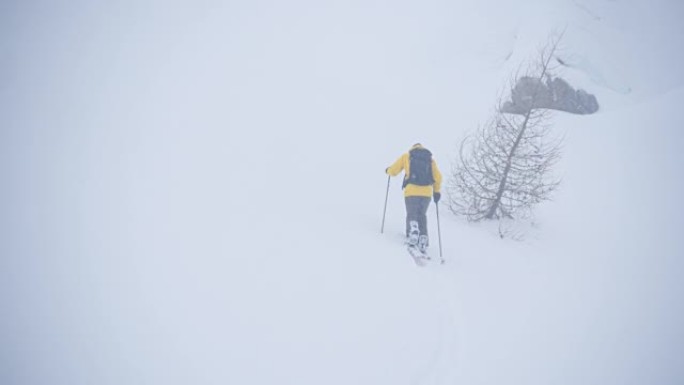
506,167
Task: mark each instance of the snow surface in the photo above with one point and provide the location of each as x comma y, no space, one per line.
192,194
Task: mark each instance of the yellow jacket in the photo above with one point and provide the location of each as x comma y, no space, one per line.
413,190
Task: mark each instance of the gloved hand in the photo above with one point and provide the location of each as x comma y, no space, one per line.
436,196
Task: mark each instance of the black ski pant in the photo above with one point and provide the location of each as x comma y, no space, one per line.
416,210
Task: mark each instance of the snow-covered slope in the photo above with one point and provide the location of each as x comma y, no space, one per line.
193,194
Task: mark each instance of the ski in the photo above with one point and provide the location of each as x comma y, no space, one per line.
416,244
418,256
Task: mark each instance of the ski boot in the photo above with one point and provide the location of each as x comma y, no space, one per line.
423,245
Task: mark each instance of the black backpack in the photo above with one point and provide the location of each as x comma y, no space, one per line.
420,168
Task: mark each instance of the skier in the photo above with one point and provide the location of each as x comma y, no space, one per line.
422,180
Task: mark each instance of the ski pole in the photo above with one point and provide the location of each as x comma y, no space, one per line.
439,234
382,227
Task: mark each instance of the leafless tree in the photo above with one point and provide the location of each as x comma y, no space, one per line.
505,168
